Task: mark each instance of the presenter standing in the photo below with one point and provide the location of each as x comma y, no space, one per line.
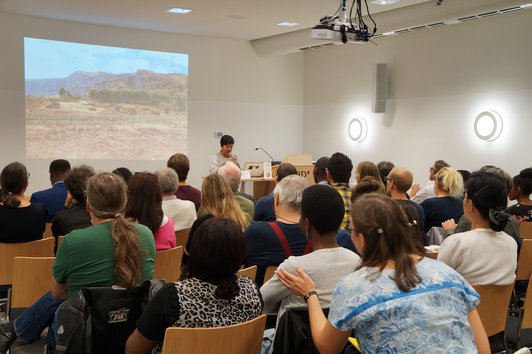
225,154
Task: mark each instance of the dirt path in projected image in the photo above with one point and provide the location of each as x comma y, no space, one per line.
118,138
79,129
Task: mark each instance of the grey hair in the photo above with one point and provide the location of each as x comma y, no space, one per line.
290,191
232,174
168,180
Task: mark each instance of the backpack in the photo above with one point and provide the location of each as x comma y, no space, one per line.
101,319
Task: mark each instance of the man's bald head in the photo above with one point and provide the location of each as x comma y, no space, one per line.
402,178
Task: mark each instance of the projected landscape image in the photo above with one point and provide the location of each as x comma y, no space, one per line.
95,102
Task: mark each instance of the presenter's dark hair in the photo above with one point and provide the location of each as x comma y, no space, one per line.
386,232
59,167
487,192
340,167
323,206
144,200
217,251
76,182
226,140
181,164
13,179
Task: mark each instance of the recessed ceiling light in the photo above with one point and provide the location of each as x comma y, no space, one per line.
287,24
384,2
177,10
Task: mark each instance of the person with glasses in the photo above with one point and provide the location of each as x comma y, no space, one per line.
418,194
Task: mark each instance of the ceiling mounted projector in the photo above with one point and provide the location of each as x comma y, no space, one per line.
342,28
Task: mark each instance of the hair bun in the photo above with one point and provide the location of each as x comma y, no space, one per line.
498,215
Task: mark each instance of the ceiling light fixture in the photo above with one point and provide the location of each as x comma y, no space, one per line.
488,125
287,24
177,10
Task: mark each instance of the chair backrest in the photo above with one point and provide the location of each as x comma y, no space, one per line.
48,231
493,306
59,240
181,237
242,338
8,251
432,255
525,230
269,272
527,307
31,279
168,264
524,263
250,272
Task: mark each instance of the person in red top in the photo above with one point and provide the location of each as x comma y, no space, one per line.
181,164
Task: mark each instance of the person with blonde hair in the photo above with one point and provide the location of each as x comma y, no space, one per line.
114,251
448,187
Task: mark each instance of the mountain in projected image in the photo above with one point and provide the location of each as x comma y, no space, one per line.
80,83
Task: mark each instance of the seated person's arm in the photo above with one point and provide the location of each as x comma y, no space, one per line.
138,344
326,337
273,291
479,334
59,291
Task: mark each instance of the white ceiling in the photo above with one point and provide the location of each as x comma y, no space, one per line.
236,19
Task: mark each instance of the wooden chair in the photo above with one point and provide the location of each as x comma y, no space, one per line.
270,271
31,279
432,255
493,307
250,272
59,240
525,230
181,237
8,251
168,264
524,314
48,231
243,338
524,264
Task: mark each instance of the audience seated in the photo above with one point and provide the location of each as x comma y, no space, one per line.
54,198
320,170
396,301
322,211
384,169
270,243
520,192
232,175
338,174
111,252
123,172
75,215
398,182
367,168
211,296
182,212
484,255
144,205
418,194
264,209
448,185
20,220
181,165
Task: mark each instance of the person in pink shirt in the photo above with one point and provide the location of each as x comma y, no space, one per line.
144,205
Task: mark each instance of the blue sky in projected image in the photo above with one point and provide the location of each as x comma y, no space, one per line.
47,59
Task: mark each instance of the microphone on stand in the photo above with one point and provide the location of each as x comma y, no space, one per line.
270,156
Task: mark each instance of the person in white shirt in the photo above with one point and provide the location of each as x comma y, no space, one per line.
322,211
418,194
225,154
182,212
486,254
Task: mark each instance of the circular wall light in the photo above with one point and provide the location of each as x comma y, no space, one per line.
488,125
358,129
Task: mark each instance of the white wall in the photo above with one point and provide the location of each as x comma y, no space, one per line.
258,101
440,79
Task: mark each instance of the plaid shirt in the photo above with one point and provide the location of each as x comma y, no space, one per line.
345,192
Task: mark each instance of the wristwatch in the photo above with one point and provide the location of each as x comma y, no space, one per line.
309,294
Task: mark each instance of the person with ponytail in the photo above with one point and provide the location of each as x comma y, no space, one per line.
396,301
520,192
20,220
211,296
114,251
486,254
